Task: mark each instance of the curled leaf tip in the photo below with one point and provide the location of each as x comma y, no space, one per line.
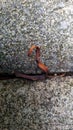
39,63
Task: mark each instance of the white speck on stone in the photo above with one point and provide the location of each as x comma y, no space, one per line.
69,9
23,18
2,45
43,0
61,5
64,25
13,33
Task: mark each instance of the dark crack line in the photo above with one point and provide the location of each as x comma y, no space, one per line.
42,76
44,68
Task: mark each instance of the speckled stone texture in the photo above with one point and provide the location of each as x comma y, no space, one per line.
46,23
46,105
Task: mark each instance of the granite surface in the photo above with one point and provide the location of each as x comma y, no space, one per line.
46,23
46,105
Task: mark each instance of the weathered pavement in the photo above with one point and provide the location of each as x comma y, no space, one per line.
42,105
48,24
46,105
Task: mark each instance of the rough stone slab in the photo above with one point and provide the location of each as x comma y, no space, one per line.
46,23
46,105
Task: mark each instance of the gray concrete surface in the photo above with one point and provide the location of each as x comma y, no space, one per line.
27,105
46,105
46,23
